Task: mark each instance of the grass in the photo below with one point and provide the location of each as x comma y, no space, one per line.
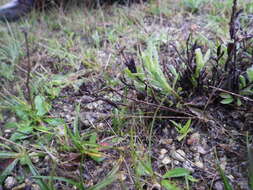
100,99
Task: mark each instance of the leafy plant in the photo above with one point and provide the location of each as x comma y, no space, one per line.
109,178
227,98
176,173
23,157
224,178
183,130
201,61
30,120
86,145
152,73
10,52
245,88
193,5
246,83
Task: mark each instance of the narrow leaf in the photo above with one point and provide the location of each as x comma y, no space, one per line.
177,172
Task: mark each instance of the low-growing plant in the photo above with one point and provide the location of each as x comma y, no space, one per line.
10,52
151,74
19,155
177,173
245,89
183,130
193,5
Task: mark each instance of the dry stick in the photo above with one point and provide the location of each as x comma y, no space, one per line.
9,141
153,105
234,94
211,95
139,116
28,76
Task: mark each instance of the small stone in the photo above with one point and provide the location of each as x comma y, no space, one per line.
10,182
122,176
35,159
166,141
156,187
187,165
60,130
176,162
7,131
194,139
101,126
218,185
201,150
12,120
166,160
232,178
163,151
199,164
68,117
178,155
35,187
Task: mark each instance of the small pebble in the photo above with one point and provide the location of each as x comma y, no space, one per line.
187,165
218,185
176,162
166,160
194,139
10,182
201,150
156,187
178,155
199,164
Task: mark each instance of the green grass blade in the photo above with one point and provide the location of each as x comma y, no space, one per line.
35,172
168,185
8,170
177,172
9,155
225,180
109,179
69,181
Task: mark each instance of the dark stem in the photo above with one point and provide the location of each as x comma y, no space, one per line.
28,76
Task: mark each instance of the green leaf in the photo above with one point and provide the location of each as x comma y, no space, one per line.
18,136
168,185
177,125
35,172
192,179
227,101
200,61
250,74
8,170
186,127
224,179
42,107
55,121
225,95
238,102
110,178
143,168
93,140
177,172
8,155
11,125
69,181
242,82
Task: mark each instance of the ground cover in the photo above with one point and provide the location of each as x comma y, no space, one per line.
155,95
